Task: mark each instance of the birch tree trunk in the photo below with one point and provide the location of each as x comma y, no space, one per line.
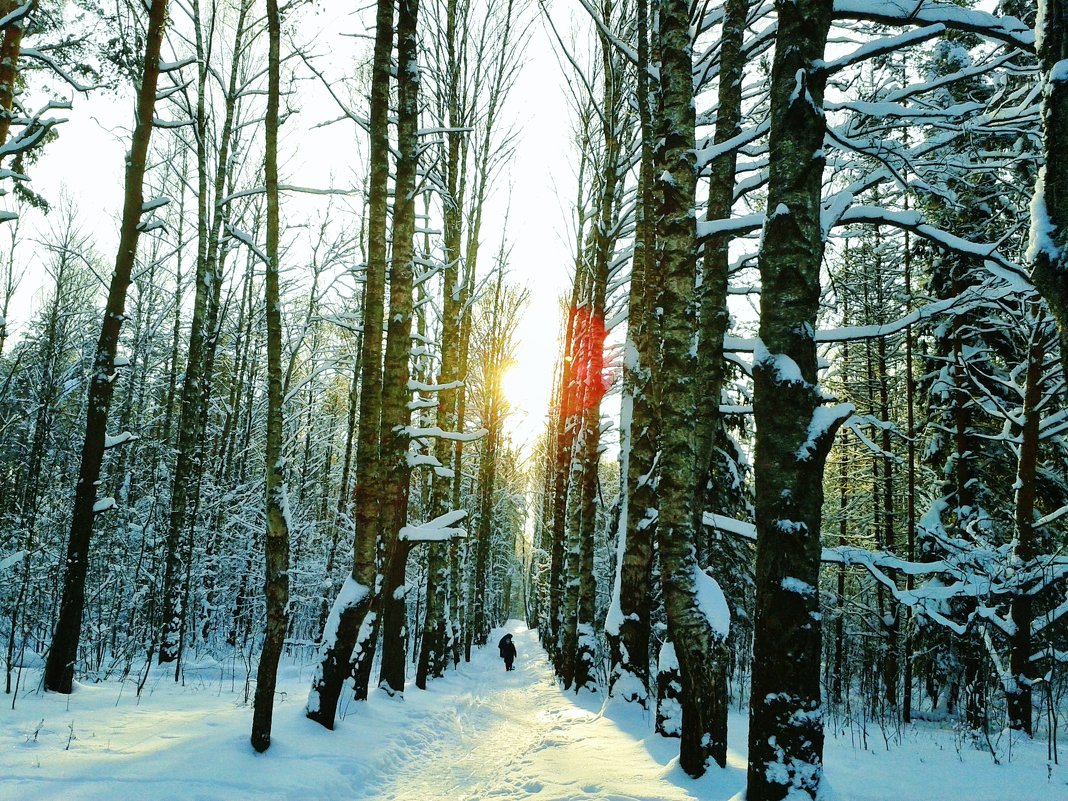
628,623
713,292
59,668
713,488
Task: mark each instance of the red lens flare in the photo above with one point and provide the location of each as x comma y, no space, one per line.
588,381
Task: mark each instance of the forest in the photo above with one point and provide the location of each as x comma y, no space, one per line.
791,525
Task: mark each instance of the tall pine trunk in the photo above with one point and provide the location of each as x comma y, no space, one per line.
10,49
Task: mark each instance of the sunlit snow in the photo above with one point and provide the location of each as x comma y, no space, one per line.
479,733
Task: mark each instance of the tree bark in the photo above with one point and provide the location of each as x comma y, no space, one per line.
698,643
786,718
345,627
628,624
1018,686
396,414
10,49
196,385
1048,251
276,586
563,438
910,535
59,668
436,625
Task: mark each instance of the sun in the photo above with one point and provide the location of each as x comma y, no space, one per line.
515,386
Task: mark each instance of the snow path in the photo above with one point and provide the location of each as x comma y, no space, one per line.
517,735
477,734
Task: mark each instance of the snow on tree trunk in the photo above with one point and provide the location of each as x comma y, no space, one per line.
668,692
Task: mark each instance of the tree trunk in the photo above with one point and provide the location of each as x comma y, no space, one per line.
276,586
59,669
786,719
10,48
697,636
1048,251
347,636
563,437
628,621
458,558
910,419
838,663
1018,686
396,414
433,656
714,315
196,385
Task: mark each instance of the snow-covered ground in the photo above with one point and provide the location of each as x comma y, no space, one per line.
479,733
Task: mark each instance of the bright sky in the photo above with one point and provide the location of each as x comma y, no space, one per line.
86,163
542,181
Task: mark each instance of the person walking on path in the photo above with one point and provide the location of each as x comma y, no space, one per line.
507,649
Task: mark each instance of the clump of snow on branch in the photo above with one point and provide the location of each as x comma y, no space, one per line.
784,369
711,602
825,421
104,505
437,530
1040,241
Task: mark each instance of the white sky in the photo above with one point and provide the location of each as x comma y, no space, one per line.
86,162
541,252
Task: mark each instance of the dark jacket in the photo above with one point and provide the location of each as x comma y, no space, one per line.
507,648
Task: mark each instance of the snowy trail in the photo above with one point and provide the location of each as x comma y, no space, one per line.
478,734
517,735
